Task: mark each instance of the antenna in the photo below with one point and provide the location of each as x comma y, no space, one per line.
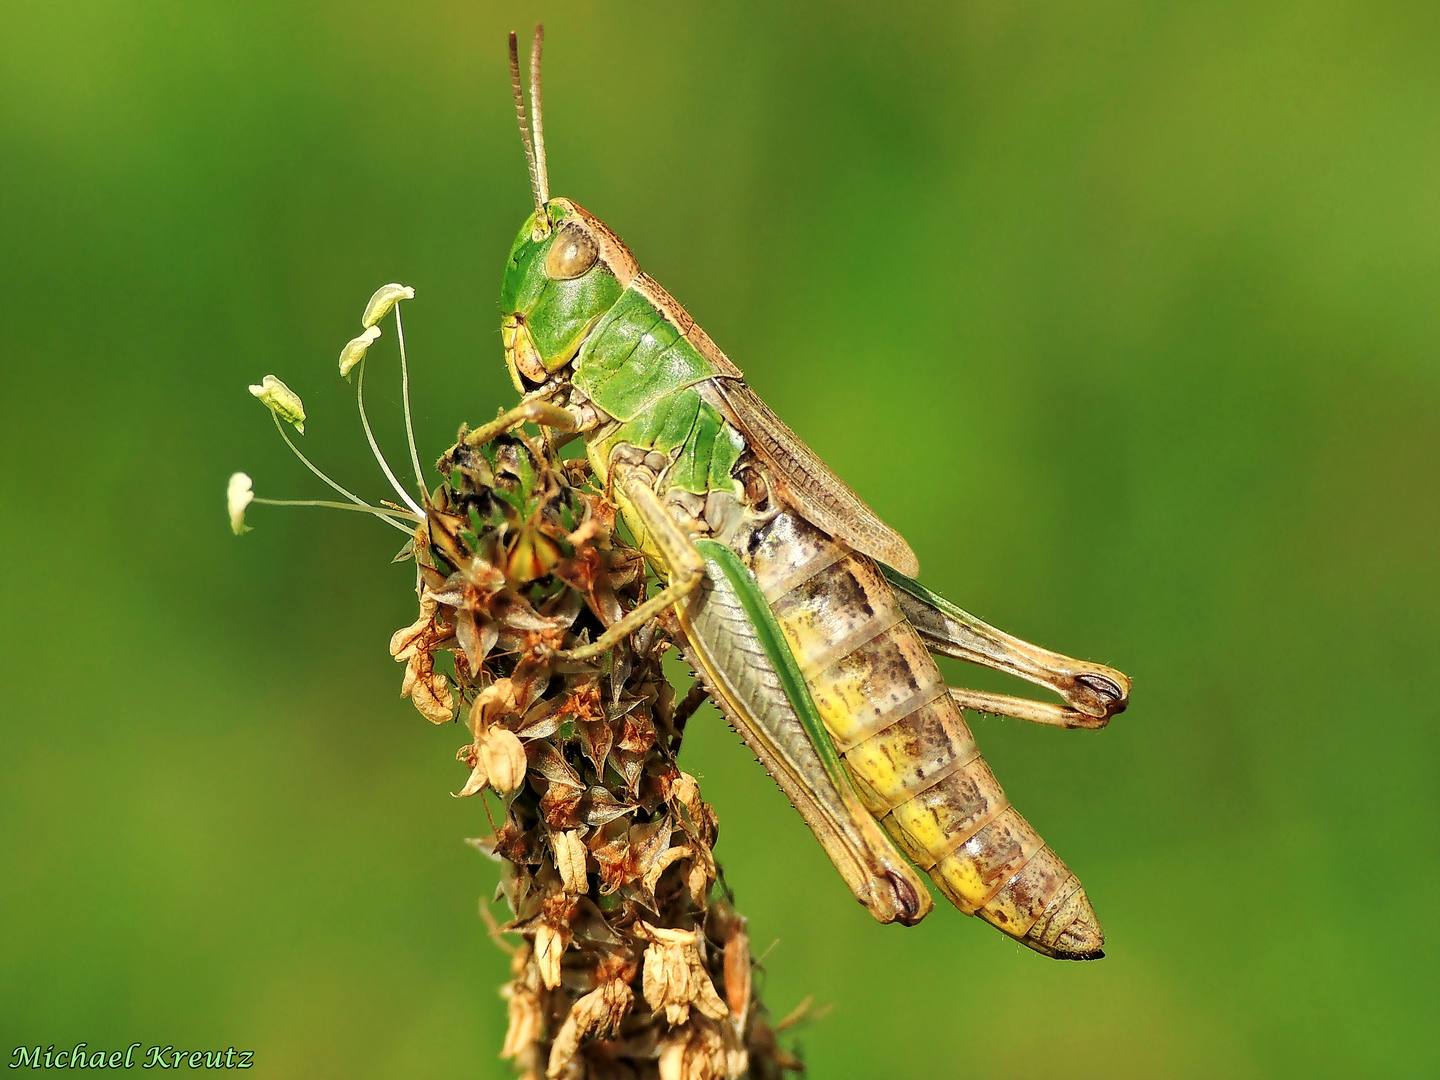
539,186
536,117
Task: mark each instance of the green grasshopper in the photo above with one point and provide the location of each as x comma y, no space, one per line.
797,605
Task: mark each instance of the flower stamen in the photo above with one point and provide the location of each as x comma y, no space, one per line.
405,396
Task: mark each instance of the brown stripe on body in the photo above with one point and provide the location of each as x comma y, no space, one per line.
908,748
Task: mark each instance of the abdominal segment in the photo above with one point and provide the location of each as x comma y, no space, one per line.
906,743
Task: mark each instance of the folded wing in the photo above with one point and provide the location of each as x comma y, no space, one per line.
806,483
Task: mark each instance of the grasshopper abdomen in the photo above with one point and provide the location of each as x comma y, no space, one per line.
906,744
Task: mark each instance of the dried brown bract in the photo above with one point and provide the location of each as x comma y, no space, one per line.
632,964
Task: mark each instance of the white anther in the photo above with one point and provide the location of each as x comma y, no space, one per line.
385,298
237,498
355,349
281,400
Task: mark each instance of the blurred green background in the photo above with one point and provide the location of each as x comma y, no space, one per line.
1124,314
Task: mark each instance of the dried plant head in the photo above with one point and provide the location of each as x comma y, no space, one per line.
632,961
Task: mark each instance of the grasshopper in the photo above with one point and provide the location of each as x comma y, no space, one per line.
798,607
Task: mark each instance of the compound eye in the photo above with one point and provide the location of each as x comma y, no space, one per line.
572,253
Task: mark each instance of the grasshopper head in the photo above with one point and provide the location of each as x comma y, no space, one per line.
566,269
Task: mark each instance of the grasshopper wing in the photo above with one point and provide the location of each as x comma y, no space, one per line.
732,637
806,482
